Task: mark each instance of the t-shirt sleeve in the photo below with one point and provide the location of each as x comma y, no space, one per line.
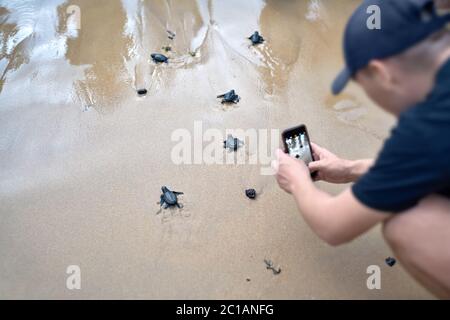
404,172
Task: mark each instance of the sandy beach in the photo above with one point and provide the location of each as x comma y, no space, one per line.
83,157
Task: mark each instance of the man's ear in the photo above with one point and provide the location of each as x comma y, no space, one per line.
379,72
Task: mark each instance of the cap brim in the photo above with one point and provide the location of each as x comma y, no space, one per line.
341,81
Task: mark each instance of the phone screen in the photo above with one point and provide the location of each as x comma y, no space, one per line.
297,144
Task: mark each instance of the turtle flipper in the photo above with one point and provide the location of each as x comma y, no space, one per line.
221,96
162,202
176,192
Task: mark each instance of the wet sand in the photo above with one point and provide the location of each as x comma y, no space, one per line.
83,158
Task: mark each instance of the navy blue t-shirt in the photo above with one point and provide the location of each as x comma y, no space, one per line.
415,160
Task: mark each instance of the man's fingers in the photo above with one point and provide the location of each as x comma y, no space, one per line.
317,150
279,153
315,166
275,165
281,156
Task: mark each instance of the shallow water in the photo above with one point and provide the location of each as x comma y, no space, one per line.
82,157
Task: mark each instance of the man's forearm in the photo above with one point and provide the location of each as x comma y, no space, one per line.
358,168
335,219
312,203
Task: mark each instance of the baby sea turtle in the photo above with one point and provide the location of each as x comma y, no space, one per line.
88,107
250,193
142,92
232,143
270,266
169,198
159,58
390,261
256,38
229,97
170,34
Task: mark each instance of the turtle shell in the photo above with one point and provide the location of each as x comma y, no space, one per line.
256,38
170,198
157,57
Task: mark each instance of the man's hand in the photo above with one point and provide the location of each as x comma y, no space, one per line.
290,172
331,168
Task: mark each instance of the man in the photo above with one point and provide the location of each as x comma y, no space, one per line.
405,68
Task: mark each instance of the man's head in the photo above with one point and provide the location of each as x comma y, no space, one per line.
395,64
403,80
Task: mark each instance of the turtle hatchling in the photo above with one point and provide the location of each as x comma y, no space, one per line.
270,266
256,38
169,198
250,193
159,58
232,143
390,261
170,34
142,92
229,97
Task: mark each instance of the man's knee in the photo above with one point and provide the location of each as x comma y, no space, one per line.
402,230
399,230
393,229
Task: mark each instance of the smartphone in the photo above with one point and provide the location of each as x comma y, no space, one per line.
297,144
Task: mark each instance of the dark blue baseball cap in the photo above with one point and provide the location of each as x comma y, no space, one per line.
403,23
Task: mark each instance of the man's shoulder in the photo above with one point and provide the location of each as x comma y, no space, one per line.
424,131
428,119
